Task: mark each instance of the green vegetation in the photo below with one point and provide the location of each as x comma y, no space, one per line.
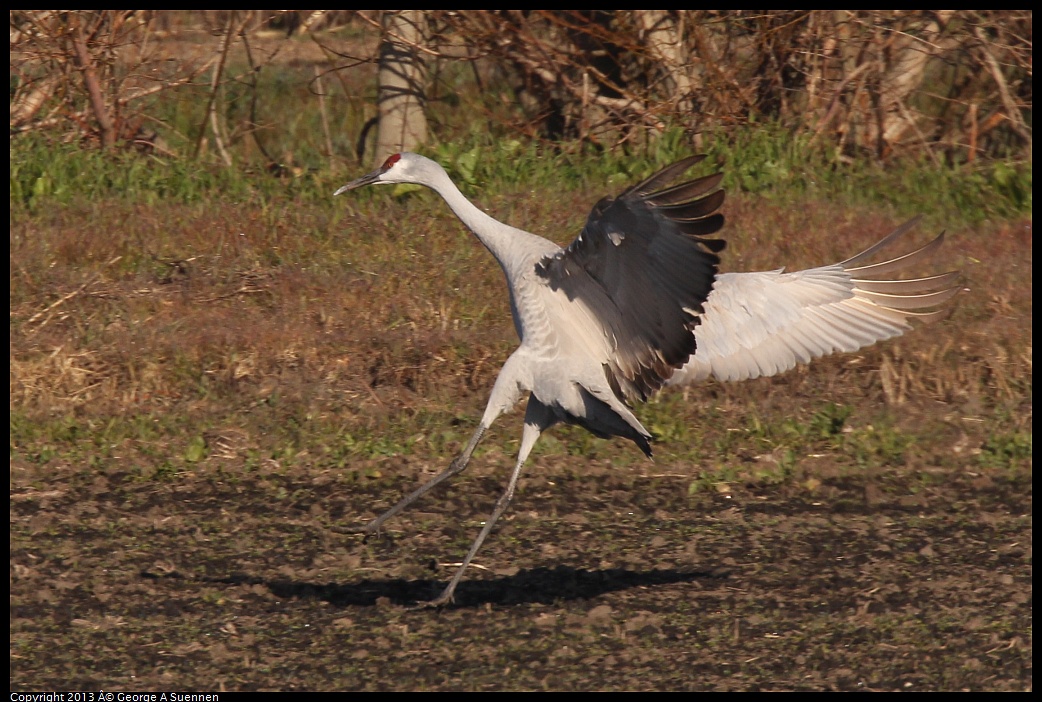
767,161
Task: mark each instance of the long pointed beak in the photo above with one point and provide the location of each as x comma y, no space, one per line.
359,182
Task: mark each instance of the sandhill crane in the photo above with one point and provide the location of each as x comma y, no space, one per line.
635,301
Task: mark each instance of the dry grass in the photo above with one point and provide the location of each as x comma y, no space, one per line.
121,309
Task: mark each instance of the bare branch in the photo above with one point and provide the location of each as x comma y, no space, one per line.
1012,111
215,82
90,80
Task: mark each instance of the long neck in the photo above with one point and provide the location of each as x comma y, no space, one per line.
509,245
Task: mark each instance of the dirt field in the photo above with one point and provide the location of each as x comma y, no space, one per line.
185,441
602,581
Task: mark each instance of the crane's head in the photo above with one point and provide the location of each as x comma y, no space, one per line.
398,168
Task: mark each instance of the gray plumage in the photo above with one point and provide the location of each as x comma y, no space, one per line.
636,301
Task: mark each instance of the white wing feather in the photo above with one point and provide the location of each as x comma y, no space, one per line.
764,323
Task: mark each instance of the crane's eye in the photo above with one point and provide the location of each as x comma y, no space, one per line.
391,160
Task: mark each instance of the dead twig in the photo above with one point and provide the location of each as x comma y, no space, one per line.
49,310
323,114
215,83
1012,111
244,290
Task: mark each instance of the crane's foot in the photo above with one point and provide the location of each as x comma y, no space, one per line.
365,531
348,530
445,598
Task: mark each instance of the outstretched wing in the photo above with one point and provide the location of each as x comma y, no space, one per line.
645,270
760,324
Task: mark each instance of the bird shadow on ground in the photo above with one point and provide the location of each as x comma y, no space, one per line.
537,585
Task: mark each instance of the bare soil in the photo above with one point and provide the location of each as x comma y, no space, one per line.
598,579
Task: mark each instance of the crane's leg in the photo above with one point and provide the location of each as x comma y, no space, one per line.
457,465
538,418
505,394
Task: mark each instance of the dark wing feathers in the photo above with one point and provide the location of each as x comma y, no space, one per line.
694,210
705,227
666,175
685,192
644,269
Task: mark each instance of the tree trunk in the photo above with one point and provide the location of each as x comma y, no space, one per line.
664,39
402,82
85,62
905,58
